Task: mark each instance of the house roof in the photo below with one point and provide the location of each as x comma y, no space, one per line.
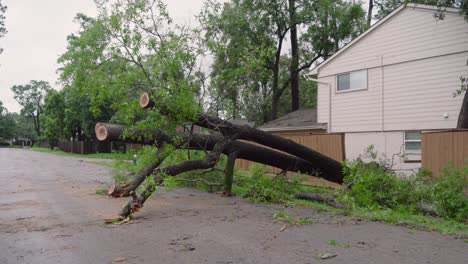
242,122
382,21
297,120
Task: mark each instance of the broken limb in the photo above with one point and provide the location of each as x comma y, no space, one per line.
321,198
209,162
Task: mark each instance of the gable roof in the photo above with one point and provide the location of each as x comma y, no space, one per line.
297,120
379,23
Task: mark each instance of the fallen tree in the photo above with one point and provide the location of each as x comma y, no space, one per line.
262,147
238,149
327,168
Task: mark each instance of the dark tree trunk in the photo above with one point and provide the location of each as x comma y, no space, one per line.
229,174
295,97
327,168
463,116
369,12
276,90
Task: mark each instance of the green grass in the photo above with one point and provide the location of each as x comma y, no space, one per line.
101,192
285,217
7,146
117,156
393,217
416,221
335,243
103,163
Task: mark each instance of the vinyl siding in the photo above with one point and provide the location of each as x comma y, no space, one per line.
418,60
419,93
411,34
389,146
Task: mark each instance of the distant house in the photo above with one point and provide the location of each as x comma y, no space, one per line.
394,81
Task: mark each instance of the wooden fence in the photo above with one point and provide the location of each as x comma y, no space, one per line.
440,148
85,147
331,145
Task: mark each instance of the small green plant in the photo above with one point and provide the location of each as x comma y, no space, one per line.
285,217
338,244
101,191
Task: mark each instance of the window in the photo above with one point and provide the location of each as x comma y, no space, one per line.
412,141
352,81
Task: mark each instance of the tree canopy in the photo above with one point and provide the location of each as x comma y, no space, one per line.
31,97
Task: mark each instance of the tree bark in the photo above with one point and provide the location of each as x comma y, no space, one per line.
229,174
327,168
369,12
294,71
124,190
244,150
276,67
463,116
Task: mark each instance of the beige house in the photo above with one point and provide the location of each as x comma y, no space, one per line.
394,81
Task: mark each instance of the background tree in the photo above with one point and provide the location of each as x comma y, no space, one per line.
7,124
53,118
31,98
247,40
24,127
3,30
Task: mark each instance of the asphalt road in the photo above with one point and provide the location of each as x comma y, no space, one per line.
49,213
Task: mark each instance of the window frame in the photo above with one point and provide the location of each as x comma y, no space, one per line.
351,89
412,141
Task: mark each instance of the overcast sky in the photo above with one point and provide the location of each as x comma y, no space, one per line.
37,31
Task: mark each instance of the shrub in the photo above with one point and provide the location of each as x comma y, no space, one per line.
448,193
266,189
373,186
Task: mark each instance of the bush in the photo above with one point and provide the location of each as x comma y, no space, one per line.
448,193
266,189
373,186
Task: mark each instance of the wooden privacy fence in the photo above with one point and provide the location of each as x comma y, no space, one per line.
331,145
440,148
85,147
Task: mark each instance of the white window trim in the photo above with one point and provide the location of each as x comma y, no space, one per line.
411,140
352,90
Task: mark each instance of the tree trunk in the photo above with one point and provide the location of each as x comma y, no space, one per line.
327,168
463,116
195,141
276,68
229,174
244,150
295,96
369,12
